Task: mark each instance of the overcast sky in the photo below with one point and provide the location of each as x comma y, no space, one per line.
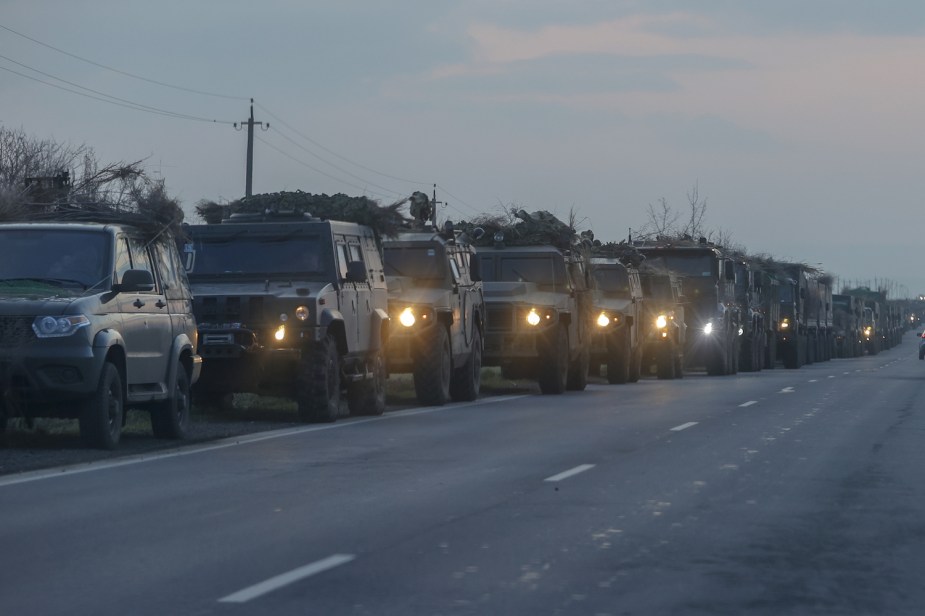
802,122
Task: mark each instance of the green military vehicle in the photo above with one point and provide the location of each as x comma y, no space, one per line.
290,305
437,303
618,313
663,328
538,303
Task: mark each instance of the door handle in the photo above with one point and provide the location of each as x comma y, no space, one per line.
138,303
160,303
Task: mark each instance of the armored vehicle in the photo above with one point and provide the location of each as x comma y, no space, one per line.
293,306
95,316
618,313
538,301
663,329
712,313
793,330
437,300
753,337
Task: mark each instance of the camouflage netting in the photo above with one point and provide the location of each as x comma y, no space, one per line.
385,220
523,229
627,254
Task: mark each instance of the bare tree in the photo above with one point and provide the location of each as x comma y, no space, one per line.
698,209
23,156
662,221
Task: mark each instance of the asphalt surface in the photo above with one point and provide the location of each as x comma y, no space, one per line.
780,492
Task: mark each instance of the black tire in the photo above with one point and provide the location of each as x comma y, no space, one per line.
467,379
665,361
433,368
717,359
635,365
318,383
101,415
577,379
367,397
747,349
618,361
678,364
553,374
170,418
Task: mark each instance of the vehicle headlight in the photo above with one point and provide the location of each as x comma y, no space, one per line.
280,332
661,321
533,318
301,313
741,330
785,324
57,327
708,328
406,317
603,320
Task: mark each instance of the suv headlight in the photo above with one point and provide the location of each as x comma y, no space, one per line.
661,321
608,319
411,315
708,328
58,327
539,317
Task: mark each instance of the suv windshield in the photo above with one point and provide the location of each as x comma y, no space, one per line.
65,259
422,262
302,255
687,265
541,269
657,287
613,280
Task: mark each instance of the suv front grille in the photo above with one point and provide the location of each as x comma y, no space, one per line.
230,309
15,331
500,318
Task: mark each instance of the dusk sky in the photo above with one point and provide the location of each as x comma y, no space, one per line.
802,122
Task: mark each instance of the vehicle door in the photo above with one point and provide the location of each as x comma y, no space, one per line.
146,328
364,301
347,296
176,288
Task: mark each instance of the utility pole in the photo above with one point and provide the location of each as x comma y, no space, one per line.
249,182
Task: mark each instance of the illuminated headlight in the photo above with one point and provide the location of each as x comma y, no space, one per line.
603,320
280,332
533,318
406,317
57,327
785,324
741,331
868,331
708,328
301,313
661,321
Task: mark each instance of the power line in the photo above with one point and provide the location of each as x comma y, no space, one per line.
121,72
110,100
115,100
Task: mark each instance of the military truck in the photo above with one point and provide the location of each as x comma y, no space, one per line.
767,283
847,314
618,315
874,320
438,303
538,302
290,305
712,313
753,331
664,331
793,329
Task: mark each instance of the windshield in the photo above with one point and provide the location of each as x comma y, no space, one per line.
612,279
66,260
304,256
691,265
541,269
422,262
656,287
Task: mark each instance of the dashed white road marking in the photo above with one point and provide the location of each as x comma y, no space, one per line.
813,380
277,582
786,390
749,403
684,426
570,472
831,376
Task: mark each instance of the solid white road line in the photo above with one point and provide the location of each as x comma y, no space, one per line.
570,472
684,426
275,583
749,403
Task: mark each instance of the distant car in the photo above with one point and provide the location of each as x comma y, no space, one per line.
922,345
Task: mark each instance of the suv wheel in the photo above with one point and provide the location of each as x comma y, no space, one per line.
467,380
170,417
318,382
665,361
367,397
101,416
433,368
554,369
578,371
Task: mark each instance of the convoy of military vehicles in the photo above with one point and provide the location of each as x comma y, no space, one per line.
320,299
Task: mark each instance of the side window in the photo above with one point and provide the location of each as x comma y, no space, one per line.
123,259
355,252
454,267
342,260
141,258
167,267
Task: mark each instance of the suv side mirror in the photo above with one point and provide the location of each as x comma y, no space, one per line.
356,272
135,281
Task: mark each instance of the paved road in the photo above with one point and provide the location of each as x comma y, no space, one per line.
783,492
